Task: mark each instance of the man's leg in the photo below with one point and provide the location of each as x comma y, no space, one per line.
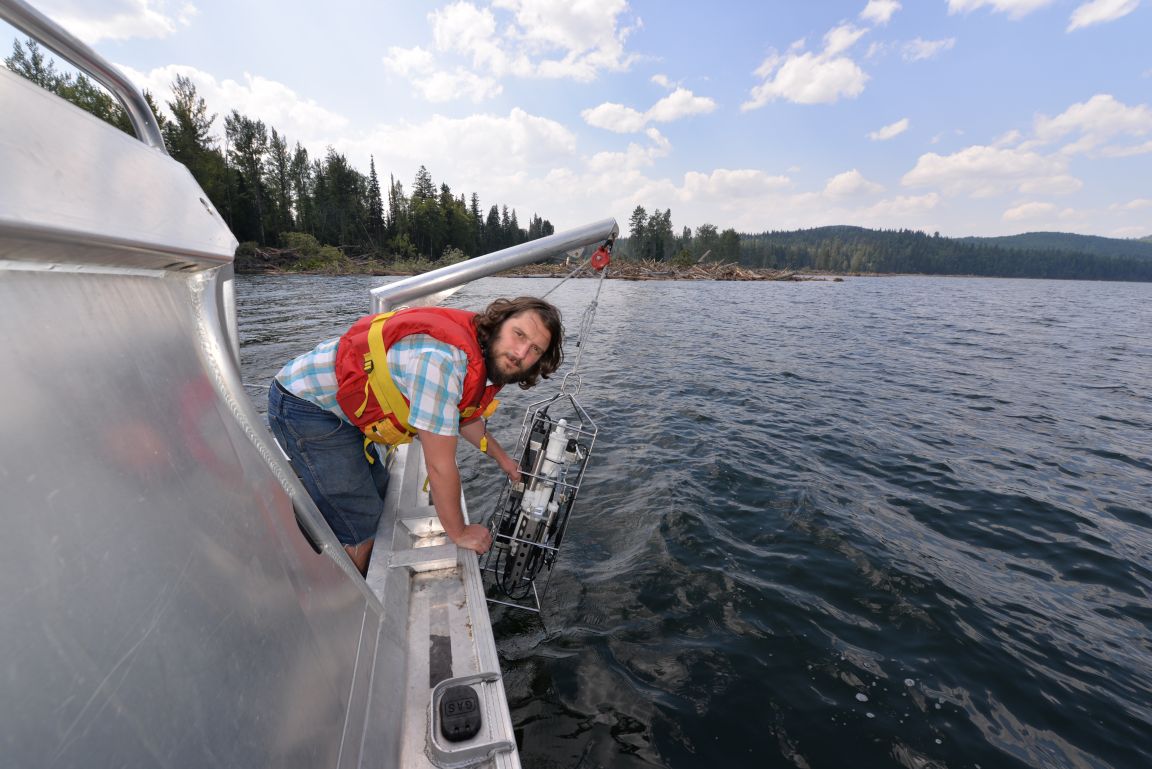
328,455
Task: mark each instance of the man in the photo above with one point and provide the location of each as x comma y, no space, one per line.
428,373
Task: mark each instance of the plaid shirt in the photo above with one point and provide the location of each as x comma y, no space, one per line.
428,372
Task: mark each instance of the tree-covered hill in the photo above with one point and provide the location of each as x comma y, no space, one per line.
847,249
856,249
1066,241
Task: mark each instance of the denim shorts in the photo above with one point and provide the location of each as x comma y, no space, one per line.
328,455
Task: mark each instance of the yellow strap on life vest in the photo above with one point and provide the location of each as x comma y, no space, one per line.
381,384
488,412
370,455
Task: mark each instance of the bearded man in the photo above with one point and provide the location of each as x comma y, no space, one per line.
426,373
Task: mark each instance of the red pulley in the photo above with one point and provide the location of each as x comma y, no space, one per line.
601,258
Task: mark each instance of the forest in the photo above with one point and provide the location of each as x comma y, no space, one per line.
290,210
295,212
855,249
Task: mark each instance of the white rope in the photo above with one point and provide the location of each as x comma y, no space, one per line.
585,328
565,279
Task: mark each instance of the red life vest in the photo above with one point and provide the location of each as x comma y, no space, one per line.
366,391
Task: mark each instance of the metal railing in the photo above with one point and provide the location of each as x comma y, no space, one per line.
36,25
431,287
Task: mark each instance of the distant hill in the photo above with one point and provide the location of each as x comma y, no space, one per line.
1065,241
1035,255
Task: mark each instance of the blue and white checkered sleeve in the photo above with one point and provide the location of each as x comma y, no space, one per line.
432,376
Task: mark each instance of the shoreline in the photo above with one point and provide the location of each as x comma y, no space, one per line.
620,270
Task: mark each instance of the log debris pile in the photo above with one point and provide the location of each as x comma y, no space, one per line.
653,270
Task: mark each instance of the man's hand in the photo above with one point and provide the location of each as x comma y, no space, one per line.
509,465
475,431
475,538
444,477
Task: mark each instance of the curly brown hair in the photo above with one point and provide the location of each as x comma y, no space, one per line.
488,325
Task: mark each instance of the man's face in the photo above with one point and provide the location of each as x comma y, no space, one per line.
516,347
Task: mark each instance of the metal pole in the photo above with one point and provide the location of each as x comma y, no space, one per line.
34,24
440,283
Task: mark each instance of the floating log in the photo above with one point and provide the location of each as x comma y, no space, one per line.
653,270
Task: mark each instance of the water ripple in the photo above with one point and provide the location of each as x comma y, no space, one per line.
896,522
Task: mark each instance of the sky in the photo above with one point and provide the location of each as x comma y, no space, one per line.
963,117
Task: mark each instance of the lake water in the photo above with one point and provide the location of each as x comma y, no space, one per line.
885,522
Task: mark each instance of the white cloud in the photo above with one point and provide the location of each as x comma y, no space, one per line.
839,39
590,26
1059,184
851,184
879,11
725,184
902,208
419,66
635,157
464,28
1127,152
1027,211
1009,139
522,140
679,104
919,50
409,62
119,19
533,173
1100,12
442,86
1137,231
256,97
1138,204
806,78
889,131
1037,165
980,171
477,47
615,117
1014,8
1100,121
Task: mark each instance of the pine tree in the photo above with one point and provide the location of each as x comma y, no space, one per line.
278,172
375,207
493,234
33,65
189,139
247,149
397,209
300,173
477,225
29,62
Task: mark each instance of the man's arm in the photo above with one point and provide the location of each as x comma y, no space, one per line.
474,432
444,477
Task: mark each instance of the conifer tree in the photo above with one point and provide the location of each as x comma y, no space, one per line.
278,172
300,174
375,207
247,149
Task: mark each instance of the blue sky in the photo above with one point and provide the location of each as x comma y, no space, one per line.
966,117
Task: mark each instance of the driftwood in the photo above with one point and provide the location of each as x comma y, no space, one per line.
652,270
276,260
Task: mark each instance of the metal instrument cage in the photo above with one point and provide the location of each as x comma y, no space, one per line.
524,593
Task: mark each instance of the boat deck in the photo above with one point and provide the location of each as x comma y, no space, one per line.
418,573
